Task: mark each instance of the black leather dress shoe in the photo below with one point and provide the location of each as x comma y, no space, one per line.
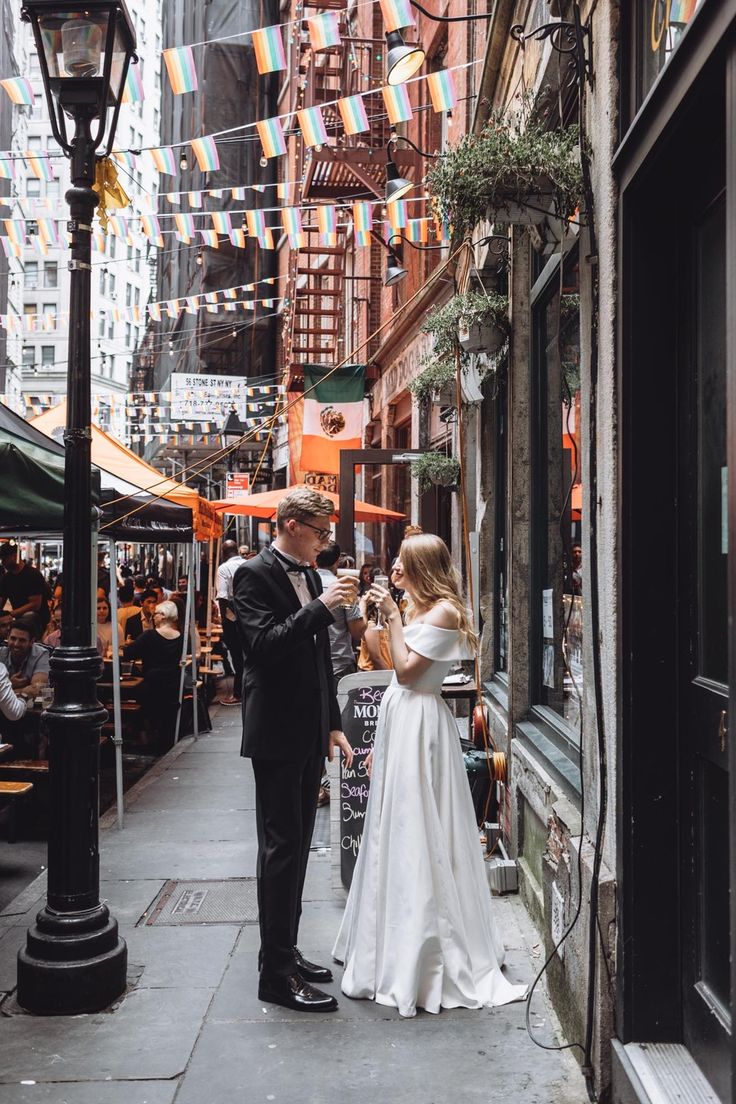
295,993
310,971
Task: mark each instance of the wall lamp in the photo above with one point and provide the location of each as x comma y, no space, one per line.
396,184
402,60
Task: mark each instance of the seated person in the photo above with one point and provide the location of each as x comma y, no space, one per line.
127,606
27,662
143,620
104,624
6,620
160,651
53,638
12,708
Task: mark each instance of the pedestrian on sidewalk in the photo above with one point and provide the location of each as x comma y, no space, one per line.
291,720
231,561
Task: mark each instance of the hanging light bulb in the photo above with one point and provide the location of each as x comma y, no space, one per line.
263,162
318,149
235,332
183,163
200,258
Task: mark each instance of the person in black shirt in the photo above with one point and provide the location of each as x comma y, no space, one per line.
160,651
24,587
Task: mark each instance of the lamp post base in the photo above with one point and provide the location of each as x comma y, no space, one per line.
72,963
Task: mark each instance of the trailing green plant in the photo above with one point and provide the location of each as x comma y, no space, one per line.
502,165
472,308
434,468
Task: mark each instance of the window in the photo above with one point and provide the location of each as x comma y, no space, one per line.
110,329
51,274
128,295
30,279
658,29
50,309
29,356
128,334
558,571
112,244
47,355
35,64
34,140
53,189
101,328
33,187
111,284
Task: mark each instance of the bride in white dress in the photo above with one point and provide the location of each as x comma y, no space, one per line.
417,930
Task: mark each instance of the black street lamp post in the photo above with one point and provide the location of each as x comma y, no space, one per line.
74,959
231,433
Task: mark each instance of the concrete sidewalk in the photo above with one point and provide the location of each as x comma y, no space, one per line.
191,1029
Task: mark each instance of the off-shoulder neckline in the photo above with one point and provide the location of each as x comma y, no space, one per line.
425,625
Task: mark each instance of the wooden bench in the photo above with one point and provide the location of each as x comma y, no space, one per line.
9,794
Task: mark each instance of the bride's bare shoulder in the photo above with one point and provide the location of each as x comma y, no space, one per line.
443,616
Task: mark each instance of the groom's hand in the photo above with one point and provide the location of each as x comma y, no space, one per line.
340,593
340,740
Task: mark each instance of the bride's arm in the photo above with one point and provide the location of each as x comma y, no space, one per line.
409,665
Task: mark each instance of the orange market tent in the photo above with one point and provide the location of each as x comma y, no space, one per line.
264,505
112,456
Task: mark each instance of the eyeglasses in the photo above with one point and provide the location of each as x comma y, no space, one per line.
323,534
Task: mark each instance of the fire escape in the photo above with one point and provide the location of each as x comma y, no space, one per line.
347,169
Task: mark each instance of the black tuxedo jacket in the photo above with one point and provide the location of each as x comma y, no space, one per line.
289,702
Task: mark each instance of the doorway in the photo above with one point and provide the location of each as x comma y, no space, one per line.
674,830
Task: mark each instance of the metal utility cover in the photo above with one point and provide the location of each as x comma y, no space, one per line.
233,901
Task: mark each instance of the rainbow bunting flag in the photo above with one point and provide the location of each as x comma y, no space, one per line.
259,188
191,305
211,309
269,48
152,230
396,14
221,222
194,199
362,216
682,11
133,91
173,308
154,309
291,220
184,227
230,293
396,99
327,218
16,230
442,90
210,297
271,133
179,62
7,168
362,238
19,90
48,231
98,241
417,230
283,191
265,240
256,222
127,160
163,160
237,238
353,114
205,150
324,30
237,193
230,306
216,193
173,197
397,214
117,226
312,126
39,165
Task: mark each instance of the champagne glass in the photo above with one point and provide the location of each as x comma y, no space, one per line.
349,573
381,581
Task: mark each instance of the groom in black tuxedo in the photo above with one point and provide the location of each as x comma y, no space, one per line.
291,720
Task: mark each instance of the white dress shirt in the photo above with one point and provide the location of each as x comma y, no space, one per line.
11,706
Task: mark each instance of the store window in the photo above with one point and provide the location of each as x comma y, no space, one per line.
658,29
558,568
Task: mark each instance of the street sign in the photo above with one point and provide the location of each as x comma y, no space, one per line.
237,484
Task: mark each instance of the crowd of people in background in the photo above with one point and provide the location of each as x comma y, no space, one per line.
151,614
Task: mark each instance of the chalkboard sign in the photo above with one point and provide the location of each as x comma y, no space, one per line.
360,699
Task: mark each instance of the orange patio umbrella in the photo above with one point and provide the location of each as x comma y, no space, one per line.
265,504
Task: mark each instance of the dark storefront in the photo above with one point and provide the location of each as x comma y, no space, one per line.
677,362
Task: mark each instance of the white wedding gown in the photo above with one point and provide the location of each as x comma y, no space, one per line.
417,929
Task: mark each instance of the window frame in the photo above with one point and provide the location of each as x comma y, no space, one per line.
553,729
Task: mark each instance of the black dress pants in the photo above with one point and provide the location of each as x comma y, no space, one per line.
235,650
286,805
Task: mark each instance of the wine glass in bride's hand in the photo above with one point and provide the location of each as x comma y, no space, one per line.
380,581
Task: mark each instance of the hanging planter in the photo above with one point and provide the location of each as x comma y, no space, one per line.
477,322
513,171
434,469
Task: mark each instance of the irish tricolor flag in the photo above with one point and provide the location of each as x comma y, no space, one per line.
333,415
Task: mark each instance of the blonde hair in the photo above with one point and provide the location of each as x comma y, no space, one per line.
303,504
432,578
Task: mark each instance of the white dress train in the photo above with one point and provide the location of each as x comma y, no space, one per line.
417,929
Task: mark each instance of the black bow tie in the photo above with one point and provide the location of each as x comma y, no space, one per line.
288,565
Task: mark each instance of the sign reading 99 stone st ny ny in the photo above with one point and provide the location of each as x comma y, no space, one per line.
360,700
